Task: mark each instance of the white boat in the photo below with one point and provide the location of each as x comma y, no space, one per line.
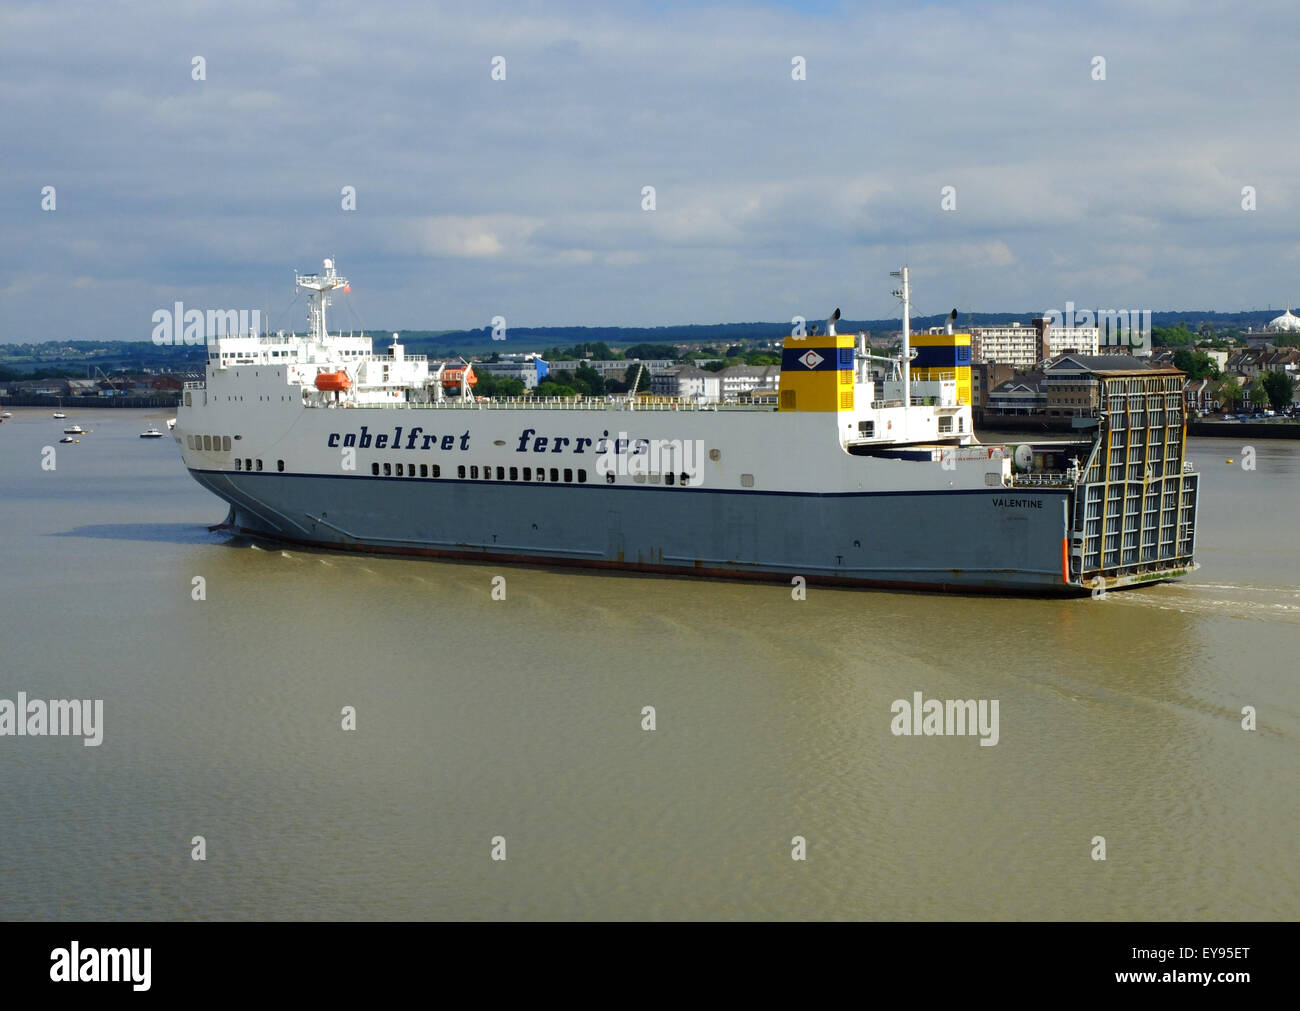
60,415
151,433
7,414
74,430
171,423
67,438
859,470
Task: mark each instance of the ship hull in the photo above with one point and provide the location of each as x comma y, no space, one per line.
957,540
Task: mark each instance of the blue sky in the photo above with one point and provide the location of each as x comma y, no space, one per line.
522,197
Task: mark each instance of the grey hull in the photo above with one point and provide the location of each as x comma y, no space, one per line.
985,540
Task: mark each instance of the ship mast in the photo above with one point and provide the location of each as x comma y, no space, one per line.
905,294
319,285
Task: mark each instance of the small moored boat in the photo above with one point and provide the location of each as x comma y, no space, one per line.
151,433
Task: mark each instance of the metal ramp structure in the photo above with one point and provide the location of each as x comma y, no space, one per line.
1135,506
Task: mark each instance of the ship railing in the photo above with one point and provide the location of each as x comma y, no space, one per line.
1046,478
876,405
552,404
196,386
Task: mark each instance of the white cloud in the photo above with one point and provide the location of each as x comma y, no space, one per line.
774,196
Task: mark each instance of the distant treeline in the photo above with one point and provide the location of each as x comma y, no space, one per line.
21,360
538,338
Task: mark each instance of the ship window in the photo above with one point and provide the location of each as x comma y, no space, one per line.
259,464
189,441
437,471
207,442
473,472
945,424
867,429
399,470
686,479
501,473
248,464
374,469
609,478
670,477
514,473
528,473
424,470
460,471
568,476
239,464
555,473
225,444
582,476
746,480
279,465
388,470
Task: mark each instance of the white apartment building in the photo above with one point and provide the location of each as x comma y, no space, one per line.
1025,346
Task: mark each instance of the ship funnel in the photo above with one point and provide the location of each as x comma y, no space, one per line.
830,323
952,319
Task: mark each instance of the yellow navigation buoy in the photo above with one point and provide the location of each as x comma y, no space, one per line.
1227,461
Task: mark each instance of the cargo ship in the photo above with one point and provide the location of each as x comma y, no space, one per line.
866,470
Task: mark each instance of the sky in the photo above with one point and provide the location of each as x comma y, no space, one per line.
524,197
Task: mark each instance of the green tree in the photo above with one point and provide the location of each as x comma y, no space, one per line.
630,375
1280,389
548,388
1257,393
1197,364
1172,336
489,385
594,380
652,351
1227,391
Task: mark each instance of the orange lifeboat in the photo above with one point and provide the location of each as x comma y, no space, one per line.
333,382
452,377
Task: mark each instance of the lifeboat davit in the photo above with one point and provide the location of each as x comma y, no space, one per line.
452,377
333,382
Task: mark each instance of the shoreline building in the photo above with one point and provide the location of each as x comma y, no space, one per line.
1023,347
729,385
531,369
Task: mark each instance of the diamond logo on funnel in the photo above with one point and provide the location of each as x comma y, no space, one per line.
811,359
